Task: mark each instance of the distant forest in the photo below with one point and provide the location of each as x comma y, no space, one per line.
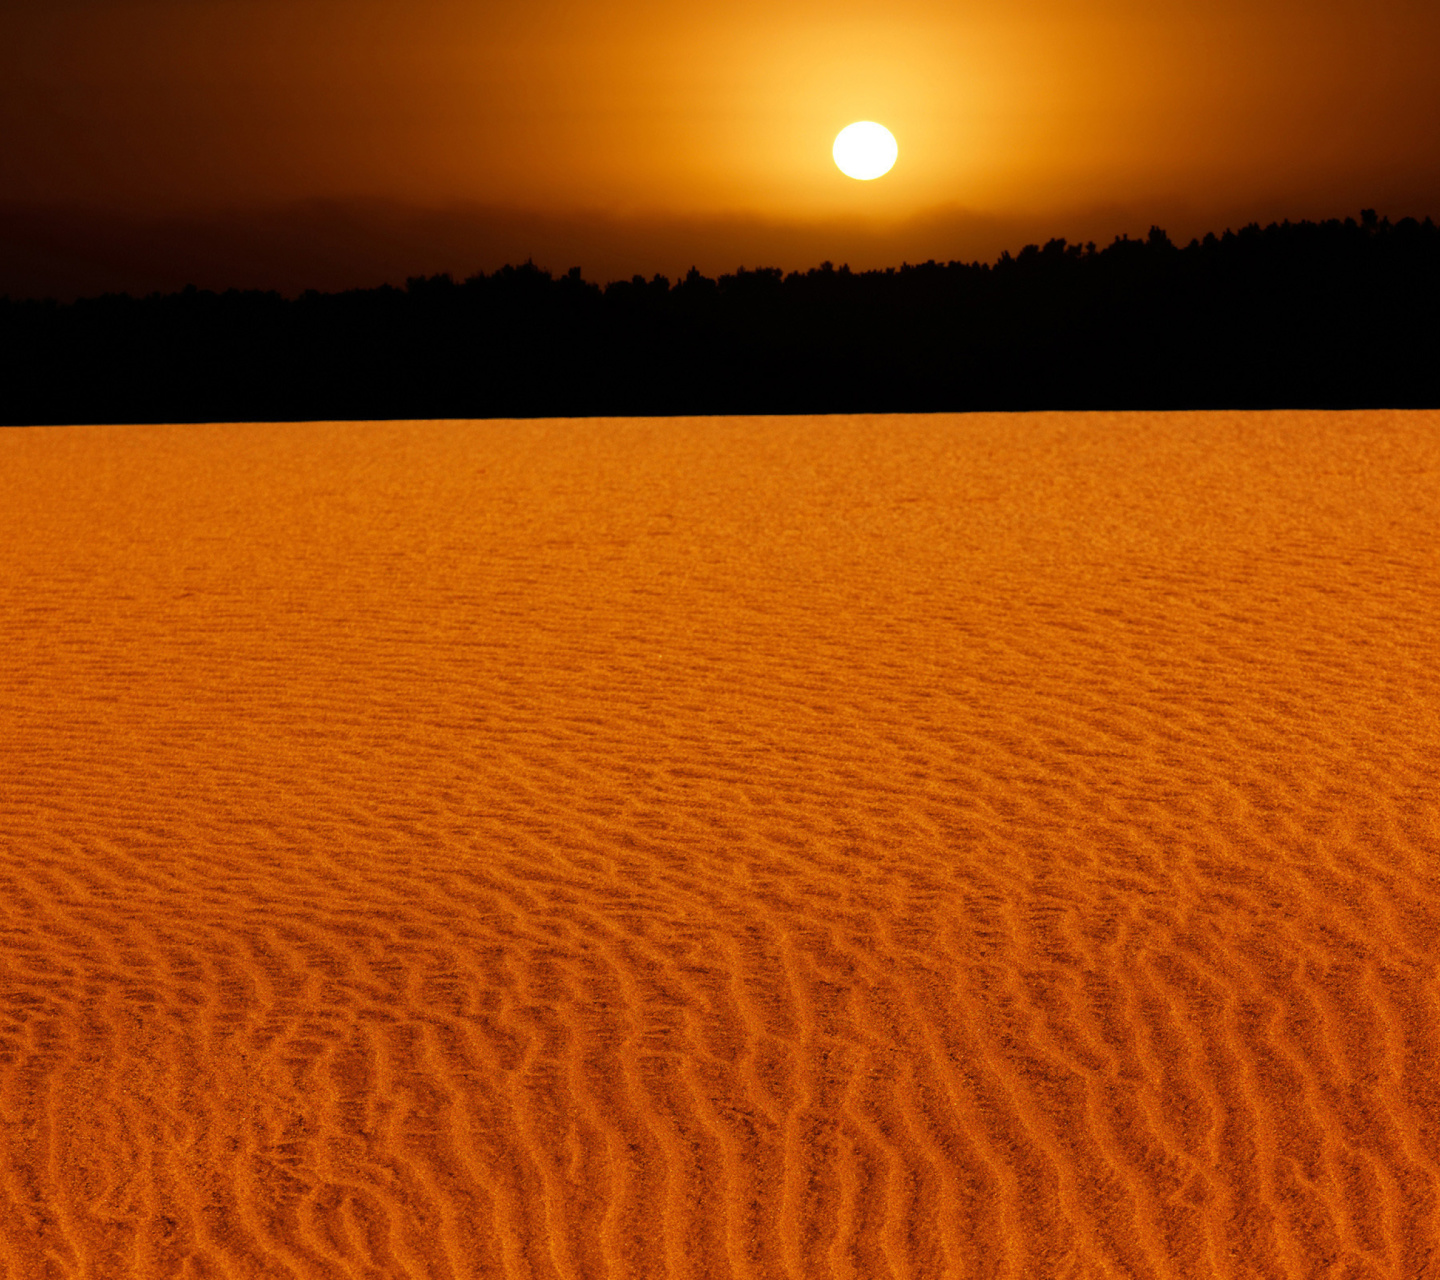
1332,314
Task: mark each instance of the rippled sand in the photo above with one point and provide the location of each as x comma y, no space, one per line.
986,846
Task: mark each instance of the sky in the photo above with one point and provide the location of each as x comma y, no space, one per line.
141,140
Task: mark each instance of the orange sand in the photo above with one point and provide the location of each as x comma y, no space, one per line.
890,848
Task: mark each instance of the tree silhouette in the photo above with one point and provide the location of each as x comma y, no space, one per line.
1293,314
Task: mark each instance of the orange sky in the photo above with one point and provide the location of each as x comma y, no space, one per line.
1006,113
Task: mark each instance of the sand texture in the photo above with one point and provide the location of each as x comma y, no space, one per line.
878,848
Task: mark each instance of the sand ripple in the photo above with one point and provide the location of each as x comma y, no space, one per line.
854,847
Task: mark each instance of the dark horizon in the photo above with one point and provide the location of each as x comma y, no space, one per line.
68,252
1317,315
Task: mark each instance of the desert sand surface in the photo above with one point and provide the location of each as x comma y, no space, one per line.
876,847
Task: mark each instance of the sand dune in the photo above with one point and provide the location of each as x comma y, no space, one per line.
854,847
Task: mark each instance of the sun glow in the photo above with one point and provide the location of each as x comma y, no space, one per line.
865,150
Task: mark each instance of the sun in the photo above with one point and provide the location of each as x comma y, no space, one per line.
865,150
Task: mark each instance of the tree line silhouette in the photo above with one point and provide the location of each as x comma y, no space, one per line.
1331,314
